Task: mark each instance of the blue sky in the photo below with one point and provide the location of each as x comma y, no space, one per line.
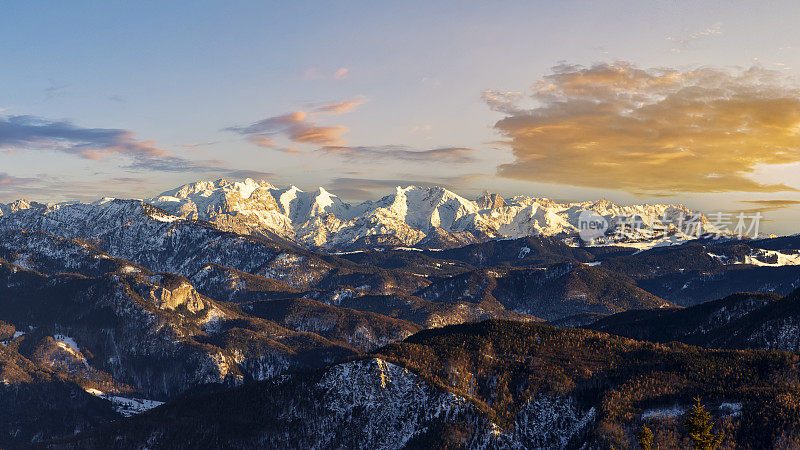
133,98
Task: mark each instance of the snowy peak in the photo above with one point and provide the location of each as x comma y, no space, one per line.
428,207
300,206
205,199
490,201
15,206
207,188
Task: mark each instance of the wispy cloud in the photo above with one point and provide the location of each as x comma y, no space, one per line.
10,180
299,126
49,187
193,145
247,173
770,205
267,142
317,74
504,102
29,132
420,128
54,90
617,126
343,107
682,43
52,187
26,133
262,141
400,152
341,73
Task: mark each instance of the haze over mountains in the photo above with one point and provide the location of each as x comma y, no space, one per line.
217,292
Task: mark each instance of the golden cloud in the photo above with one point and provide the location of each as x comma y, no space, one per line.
617,126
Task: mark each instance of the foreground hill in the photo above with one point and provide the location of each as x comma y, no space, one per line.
39,401
487,385
696,272
154,333
552,292
748,320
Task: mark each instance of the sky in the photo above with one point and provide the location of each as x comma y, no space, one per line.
637,102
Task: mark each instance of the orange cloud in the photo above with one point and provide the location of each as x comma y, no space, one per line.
340,107
617,126
317,74
23,133
341,74
298,128
306,133
453,155
262,141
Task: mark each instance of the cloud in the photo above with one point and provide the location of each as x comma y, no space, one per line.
312,134
420,128
176,164
685,42
23,132
295,127
195,145
298,127
262,141
54,188
20,133
770,205
55,90
181,165
267,142
341,74
651,131
504,102
399,152
245,173
48,187
337,108
317,74
10,180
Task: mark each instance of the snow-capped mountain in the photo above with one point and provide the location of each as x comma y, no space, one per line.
412,215
429,217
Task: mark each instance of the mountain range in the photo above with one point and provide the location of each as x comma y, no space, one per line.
431,217
238,314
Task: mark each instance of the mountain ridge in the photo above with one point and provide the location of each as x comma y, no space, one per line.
432,217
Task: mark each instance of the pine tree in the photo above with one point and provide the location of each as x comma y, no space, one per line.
699,425
645,438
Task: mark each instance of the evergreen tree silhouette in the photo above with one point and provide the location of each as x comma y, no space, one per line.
699,425
645,438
